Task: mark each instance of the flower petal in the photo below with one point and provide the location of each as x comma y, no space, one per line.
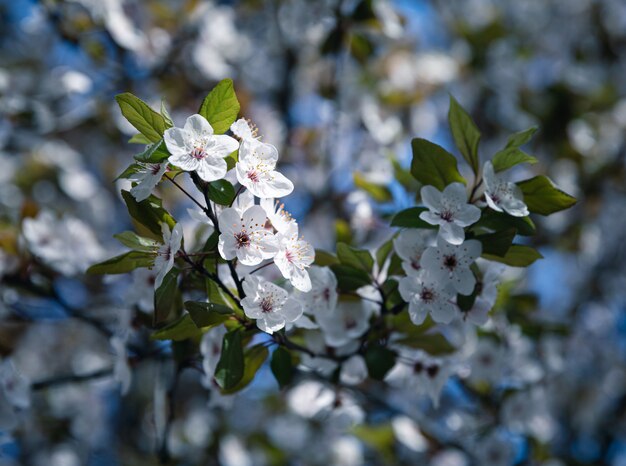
198,126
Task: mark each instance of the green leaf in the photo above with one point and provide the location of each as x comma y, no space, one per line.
466,302
355,258
169,123
325,258
253,360
404,177
379,361
130,170
517,256
465,133
229,369
349,278
141,116
433,165
383,252
500,221
542,197
154,153
139,139
410,218
433,343
380,438
132,240
166,295
521,138
497,243
149,213
221,106
378,192
123,263
221,192
207,314
509,157
181,329
282,366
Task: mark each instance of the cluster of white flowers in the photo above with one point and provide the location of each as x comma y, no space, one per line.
66,244
251,233
436,273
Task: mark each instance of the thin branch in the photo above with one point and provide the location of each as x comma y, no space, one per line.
261,267
210,275
72,378
186,193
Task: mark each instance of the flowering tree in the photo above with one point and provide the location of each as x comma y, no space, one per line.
250,283
481,362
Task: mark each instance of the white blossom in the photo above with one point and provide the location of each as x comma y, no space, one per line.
501,195
166,253
426,295
449,209
147,177
349,321
195,148
410,244
322,298
294,257
211,350
67,245
278,217
450,264
487,361
486,298
255,170
416,370
353,370
269,304
244,236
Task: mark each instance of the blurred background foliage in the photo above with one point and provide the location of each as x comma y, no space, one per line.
340,87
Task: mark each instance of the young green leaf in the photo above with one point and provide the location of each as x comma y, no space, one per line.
221,192
207,314
378,192
325,258
517,256
465,133
253,360
509,157
497,243
132,240
521,138
349,278
282,366
123,263
379,361
383,252
221,107
542,197
139,139
154,153
141,116
433,165
355,258
229,369
169,123
181,329
149,213
166,295
410,218
493,220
